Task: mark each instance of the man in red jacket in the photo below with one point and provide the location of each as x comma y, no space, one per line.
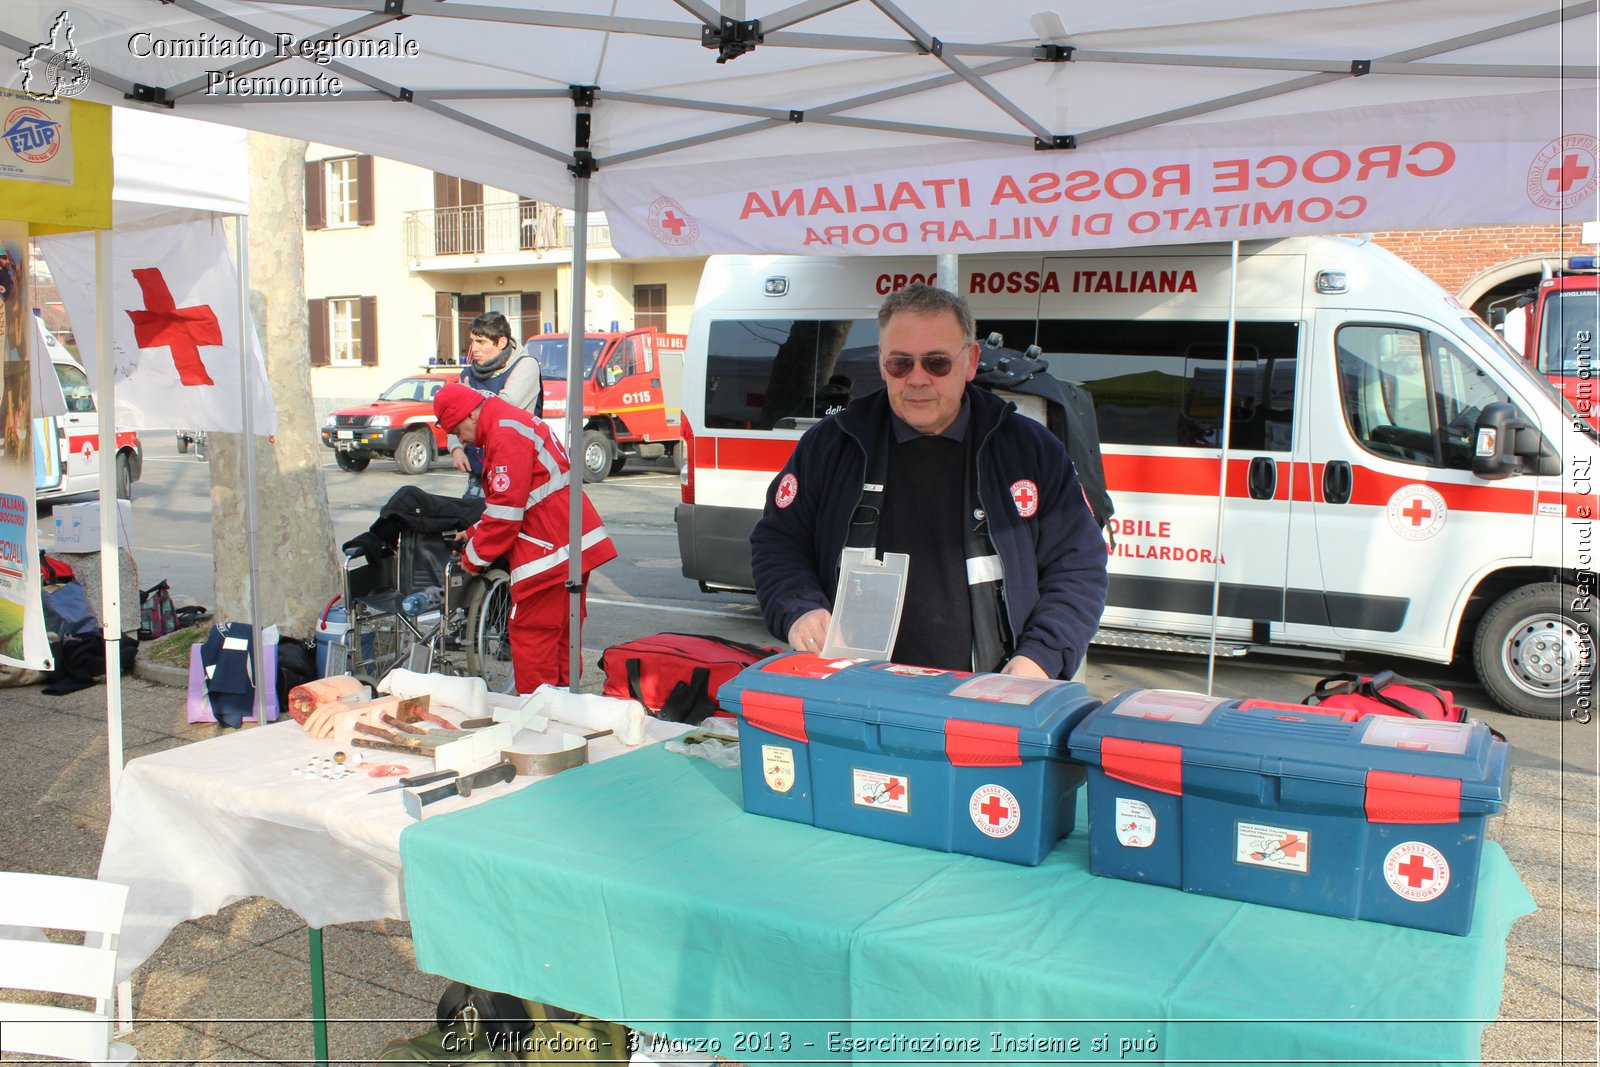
525,484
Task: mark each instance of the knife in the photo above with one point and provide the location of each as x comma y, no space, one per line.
388,746
462,786
415,780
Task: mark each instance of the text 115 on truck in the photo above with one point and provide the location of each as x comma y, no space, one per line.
631,388
1398,481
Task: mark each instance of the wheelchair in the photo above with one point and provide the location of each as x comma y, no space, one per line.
419,610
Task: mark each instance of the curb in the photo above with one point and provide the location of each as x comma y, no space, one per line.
161,674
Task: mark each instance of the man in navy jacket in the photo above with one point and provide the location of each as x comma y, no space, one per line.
1008,567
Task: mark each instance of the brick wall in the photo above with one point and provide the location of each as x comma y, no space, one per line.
1454,257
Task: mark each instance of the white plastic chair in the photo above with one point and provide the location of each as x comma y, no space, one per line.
32,902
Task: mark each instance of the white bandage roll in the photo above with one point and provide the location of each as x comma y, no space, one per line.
470,696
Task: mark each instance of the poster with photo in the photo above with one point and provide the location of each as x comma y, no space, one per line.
22,636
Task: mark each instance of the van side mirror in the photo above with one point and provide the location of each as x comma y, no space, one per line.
1505,444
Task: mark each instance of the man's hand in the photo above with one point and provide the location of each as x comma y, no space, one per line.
458,459
810,630
1023,667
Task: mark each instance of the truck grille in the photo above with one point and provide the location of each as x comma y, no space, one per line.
347,421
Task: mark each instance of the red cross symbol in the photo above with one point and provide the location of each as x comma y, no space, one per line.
995,810
895,788
1416,511
671,221
1569,173
165,325
1415,872
1291,846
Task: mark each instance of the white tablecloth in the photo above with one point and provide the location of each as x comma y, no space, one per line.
196,828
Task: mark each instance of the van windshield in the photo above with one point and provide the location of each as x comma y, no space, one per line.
551,352
74,388
1516,367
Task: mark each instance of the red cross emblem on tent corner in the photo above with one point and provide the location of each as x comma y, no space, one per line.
1025,494
163,324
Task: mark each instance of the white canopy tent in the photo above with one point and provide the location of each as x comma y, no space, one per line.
704,127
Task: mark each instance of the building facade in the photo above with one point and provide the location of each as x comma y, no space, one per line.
400,259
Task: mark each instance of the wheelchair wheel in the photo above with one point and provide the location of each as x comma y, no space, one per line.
488,633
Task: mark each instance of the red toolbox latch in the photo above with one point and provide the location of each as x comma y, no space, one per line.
776,713
1412,798
981,744
1144,763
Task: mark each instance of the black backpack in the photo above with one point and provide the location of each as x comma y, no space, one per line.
1069,413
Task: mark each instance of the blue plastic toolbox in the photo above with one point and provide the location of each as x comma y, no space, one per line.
948,760
1378,818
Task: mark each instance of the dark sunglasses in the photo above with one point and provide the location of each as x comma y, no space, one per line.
900,366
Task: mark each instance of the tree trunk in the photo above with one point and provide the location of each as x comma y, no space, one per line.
294,541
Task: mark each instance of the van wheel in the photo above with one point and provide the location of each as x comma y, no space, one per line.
597,456
415,454
1535,652
354,462
124,477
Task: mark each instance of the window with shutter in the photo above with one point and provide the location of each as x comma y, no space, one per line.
318,310
368,346
650,306
366,191
530,317
314,206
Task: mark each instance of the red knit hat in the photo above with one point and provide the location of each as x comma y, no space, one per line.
453,403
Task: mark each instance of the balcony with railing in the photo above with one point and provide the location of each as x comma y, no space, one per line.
501,235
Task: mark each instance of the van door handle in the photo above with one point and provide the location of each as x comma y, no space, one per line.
1337,482
1263,479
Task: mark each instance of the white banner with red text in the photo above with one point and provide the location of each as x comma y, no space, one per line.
1528,159
175,325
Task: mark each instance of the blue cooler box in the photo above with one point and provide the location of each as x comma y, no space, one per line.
1378,818
948,760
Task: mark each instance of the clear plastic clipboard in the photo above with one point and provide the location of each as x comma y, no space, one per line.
867,604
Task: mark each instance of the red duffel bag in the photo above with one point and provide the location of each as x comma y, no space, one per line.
676,676
1386,693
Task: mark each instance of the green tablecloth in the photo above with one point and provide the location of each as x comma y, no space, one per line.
638,890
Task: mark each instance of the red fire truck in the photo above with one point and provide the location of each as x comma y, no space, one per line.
1556,325
630,394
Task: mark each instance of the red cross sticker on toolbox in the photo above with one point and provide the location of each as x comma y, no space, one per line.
994,810
1416,871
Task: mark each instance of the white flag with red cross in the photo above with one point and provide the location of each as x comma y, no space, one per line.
175,329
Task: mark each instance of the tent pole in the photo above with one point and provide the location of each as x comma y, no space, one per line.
110,517
947,270
247,448
579,315
1222,473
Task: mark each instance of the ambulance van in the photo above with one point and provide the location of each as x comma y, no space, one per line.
1398,481
67,447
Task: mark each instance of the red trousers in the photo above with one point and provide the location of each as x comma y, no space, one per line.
539,631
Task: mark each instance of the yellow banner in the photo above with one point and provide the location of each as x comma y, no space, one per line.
39,141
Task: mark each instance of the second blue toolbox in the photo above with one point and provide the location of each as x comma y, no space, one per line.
1378,818
948,760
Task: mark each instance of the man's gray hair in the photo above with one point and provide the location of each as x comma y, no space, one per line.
919,299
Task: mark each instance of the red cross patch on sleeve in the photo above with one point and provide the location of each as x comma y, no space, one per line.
788,489
499,480
1025,495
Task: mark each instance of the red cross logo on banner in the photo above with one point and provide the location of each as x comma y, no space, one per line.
670,224
1567,173
162,324
1025,495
